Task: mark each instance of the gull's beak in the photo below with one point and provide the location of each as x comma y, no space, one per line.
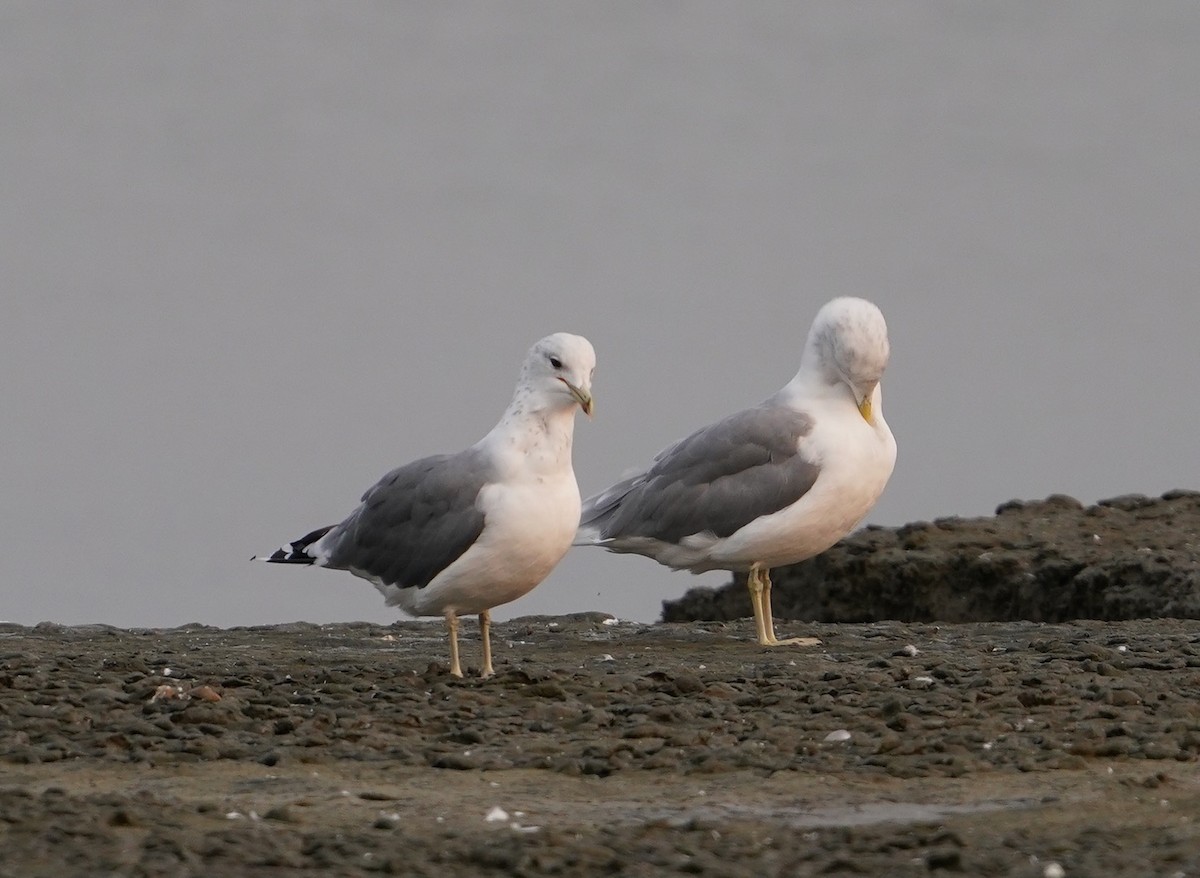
864,406
581,396
862,397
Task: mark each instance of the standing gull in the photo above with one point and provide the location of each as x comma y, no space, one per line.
770,485
462,533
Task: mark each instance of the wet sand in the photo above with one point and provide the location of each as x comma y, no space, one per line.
1008,748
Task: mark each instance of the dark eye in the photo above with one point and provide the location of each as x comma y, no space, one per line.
555,361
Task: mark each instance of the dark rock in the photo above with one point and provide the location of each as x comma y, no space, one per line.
1053,560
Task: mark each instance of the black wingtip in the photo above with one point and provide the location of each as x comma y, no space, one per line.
294,553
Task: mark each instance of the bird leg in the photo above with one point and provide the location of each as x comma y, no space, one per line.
767,625
452,627
754,583
485,632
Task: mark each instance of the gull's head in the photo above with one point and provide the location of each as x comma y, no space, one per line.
559,368
850,343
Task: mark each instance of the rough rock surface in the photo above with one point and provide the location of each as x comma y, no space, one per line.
998,749
1130,557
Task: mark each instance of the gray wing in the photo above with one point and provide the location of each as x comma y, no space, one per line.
416,521
717,480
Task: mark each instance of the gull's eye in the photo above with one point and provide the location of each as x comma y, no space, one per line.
555,361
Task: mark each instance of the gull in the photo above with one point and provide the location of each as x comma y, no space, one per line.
461,533
770,485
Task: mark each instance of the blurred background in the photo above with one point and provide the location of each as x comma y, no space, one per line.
258,253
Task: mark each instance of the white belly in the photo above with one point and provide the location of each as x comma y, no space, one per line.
529,528
850,483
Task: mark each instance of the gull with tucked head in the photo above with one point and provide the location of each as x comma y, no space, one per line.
769,485
465,532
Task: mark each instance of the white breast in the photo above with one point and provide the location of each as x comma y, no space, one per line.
856,461
529,530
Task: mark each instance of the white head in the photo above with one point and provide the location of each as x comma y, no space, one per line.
848,344
558,371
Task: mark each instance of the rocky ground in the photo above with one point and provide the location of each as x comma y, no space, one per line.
1052,560
1015,748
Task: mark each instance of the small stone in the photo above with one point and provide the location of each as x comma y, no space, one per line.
167,692
376,796
205,693
122,817
687,684
457,761
949,859
1123,698
101,695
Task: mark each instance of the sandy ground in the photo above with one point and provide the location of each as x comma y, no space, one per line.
1009,748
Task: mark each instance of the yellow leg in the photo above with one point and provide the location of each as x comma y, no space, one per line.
485,631
766,630
755,584
768,613
452,627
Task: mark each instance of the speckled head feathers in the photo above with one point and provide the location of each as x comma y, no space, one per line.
850,342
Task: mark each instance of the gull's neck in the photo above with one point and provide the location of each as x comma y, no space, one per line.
814,379
535,430
815,384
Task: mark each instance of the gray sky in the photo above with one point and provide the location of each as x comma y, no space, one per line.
257,254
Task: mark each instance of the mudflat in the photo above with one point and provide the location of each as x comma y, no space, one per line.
602,747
